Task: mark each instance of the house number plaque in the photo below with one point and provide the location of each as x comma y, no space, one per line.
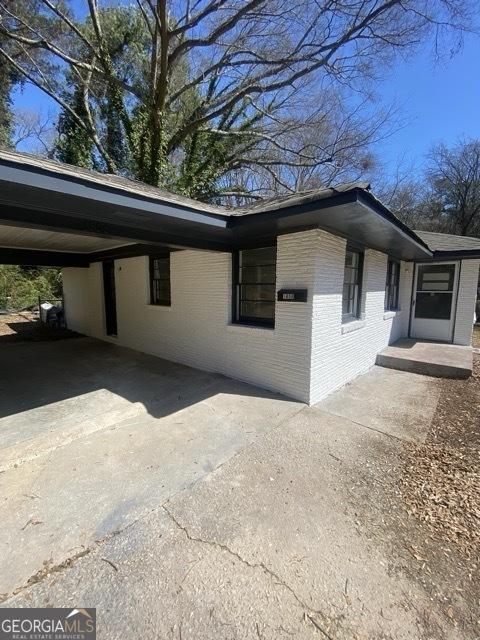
292,295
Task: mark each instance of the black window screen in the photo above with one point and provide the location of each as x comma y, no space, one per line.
435,291
160,280
352,285
254,286
392,286
436,277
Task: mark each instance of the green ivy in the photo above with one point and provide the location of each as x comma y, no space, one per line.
20,287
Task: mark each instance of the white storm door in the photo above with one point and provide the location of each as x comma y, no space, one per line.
433,309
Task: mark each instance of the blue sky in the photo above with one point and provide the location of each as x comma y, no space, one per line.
440,101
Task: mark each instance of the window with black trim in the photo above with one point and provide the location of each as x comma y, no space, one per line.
254,273
160,280
392,286
352,285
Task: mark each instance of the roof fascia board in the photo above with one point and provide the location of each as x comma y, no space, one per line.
367,199
33,257
83,188
346,197
463,254
45,179
62,223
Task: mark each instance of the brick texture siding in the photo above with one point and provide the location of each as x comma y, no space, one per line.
196,329
337,355
466,301
306,356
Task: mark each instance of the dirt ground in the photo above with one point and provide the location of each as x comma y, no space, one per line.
25,326
476,336
441,492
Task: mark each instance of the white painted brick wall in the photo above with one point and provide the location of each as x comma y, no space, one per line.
196,329
338,357
306,356
466,301
77,300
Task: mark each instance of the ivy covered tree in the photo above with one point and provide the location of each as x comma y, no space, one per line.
74,145
219,99
6,115
128,136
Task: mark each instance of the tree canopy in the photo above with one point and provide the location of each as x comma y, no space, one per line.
20,287
446,195
218,98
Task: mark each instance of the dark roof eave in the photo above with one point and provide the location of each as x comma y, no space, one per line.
369,199
82,187
306,213
25,175
462,254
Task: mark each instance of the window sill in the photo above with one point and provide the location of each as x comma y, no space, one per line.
233,326
353,325
164,307
390,314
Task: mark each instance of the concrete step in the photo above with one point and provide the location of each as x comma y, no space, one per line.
428,358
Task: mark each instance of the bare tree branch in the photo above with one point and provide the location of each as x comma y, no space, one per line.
274,93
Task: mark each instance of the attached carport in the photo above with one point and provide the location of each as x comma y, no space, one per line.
44,203
53,214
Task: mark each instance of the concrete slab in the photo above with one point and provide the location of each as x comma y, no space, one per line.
84,466
237,515
428,358
396,403
288,539
54,392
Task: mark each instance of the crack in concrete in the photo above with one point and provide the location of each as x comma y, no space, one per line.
254,565
45,572
366,426
41,574
68,562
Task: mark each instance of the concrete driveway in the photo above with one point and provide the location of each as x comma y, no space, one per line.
210,509
93,436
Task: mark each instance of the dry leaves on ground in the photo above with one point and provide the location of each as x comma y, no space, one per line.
442,490
476,336
442,476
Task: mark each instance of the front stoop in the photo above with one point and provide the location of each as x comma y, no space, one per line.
428,358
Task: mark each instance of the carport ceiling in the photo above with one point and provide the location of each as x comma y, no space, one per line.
51,213
41,240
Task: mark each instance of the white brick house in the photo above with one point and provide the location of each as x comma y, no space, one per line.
295,295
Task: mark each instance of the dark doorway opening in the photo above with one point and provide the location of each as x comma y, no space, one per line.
110,298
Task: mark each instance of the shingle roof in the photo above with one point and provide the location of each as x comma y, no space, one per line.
141,189
448,242
291,200
108,180
435,241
